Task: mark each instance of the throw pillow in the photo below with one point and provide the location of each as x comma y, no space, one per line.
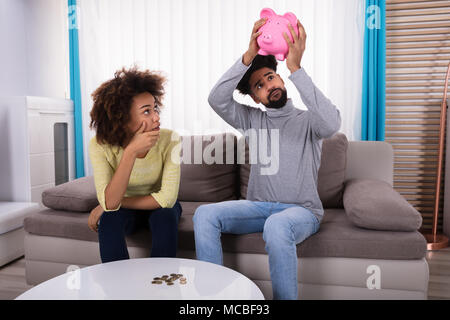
374,204
77,195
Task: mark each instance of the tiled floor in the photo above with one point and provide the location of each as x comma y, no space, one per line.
12,276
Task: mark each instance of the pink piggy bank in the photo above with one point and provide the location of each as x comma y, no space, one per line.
271,40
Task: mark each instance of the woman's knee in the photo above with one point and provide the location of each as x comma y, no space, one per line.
113,220
169,216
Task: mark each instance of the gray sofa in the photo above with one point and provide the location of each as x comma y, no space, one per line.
346,259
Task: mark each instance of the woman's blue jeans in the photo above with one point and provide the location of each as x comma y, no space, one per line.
115,225
283,226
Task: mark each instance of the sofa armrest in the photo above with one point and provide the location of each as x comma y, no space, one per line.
374,204
370,160
78,195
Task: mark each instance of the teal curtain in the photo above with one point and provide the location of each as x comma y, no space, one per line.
374,72
75,88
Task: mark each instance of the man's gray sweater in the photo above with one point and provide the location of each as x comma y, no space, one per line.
297,133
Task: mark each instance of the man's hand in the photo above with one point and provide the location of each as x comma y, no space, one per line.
94,218
296,48
253,46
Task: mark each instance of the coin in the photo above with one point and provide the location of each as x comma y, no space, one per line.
173,274
157,278
156,282
169,283
165,276
183,279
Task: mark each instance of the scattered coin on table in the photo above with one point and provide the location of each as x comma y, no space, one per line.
169,280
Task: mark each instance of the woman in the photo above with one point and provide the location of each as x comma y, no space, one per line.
136,165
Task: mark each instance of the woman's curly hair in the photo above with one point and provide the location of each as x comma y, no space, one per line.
110,113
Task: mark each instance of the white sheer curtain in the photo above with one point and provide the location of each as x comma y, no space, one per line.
195,41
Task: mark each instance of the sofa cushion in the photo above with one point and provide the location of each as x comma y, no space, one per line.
374,204
74,225
331,175
78,195
200,180
60,223
337,236
244,173
205,177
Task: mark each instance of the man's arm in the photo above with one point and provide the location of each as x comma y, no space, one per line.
221,96
325,117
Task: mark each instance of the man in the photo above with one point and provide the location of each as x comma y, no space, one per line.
285,206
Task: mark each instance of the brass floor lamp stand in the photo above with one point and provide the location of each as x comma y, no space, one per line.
436,242
439,241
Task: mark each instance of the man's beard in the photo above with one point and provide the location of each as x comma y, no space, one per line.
277,104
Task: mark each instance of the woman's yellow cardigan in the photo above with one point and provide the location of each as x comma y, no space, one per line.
158,174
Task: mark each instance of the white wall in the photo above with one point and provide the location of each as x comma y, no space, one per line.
34,56
13,63
34,61
47,48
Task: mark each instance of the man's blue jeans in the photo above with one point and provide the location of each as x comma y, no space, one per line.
283,226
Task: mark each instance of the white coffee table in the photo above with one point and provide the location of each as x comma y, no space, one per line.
132,279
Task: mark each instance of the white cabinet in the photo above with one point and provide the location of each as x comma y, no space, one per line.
38,146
